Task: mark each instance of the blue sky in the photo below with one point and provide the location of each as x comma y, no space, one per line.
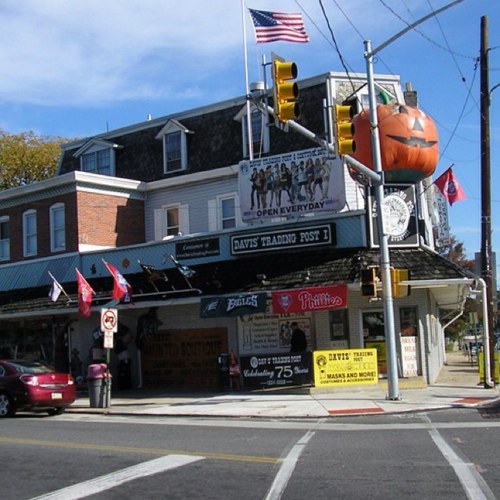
78,68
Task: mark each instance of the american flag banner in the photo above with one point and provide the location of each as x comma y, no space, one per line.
278,26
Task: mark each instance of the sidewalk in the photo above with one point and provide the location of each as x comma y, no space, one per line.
457,386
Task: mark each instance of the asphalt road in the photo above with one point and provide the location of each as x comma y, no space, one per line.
450,454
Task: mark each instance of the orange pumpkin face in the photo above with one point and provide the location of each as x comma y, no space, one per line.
408,142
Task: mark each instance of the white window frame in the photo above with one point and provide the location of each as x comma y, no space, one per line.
30,246
5,242
57,228
262,143
174,127
94,148
161,220
215,215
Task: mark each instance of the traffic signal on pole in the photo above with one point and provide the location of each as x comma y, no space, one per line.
369,282
397,276
344,129
285,91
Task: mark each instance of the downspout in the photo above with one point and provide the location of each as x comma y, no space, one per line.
488,382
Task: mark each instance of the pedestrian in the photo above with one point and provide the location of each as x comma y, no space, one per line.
234,371
299,341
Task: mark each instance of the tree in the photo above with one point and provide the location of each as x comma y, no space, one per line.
26,158
455,252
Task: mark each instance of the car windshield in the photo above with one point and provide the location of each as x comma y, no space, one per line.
30,367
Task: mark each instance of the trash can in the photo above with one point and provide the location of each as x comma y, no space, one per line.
223,368
99,385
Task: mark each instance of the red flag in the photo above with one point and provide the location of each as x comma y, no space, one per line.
450,187
84,295
121,288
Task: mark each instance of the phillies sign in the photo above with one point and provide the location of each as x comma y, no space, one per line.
309,299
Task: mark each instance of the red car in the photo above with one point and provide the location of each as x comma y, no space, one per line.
32,386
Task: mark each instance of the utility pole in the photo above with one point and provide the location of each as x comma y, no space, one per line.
486,253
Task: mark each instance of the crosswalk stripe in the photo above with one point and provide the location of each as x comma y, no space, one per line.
102,483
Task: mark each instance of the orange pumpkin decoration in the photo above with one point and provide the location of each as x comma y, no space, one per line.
408,142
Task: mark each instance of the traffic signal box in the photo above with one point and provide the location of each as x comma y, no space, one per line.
369,282
344,129
397,276
285,91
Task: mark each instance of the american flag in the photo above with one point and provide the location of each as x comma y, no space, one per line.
278,26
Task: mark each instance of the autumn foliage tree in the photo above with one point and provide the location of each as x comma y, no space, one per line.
455,252
26,158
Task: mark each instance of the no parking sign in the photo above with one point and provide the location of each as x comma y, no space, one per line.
109,325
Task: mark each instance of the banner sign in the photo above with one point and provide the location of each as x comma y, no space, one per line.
309,299
345,367
197,248
230,306
399,212
287,238
291,185
276,370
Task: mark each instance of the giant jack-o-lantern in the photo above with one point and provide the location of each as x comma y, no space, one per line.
408,142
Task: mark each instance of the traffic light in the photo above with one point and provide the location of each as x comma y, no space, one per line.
285,92
344,129
369,282
397,276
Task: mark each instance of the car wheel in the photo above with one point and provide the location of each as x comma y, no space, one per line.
6,406
55,411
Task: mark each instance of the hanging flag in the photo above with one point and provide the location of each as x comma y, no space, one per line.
85,292
121,288
153,274
449,187
186,271
278,26
55,290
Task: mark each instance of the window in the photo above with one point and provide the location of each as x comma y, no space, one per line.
98,156
223,212
98,162
4,238
260,132
29,233
339,326
174,138
172,220
173,152
228,213
57,228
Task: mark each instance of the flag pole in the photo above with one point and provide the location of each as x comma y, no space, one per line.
247,87
62,289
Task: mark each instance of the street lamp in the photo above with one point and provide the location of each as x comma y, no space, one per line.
385,265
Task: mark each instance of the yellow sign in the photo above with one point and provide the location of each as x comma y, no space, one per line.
496,371
345,367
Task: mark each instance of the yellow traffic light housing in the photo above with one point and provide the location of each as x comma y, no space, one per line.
285,92
369,282
397,276
344,129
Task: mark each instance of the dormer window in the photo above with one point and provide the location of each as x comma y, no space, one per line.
174,138
98,157
260,131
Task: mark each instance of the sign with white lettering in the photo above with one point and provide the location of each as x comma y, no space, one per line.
236,305
309,299
291,184
287,238
194,249
276,370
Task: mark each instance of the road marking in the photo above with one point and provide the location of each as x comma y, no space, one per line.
103,483
131,449
287,467
473,483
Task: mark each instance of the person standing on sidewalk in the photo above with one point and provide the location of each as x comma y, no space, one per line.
299,341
